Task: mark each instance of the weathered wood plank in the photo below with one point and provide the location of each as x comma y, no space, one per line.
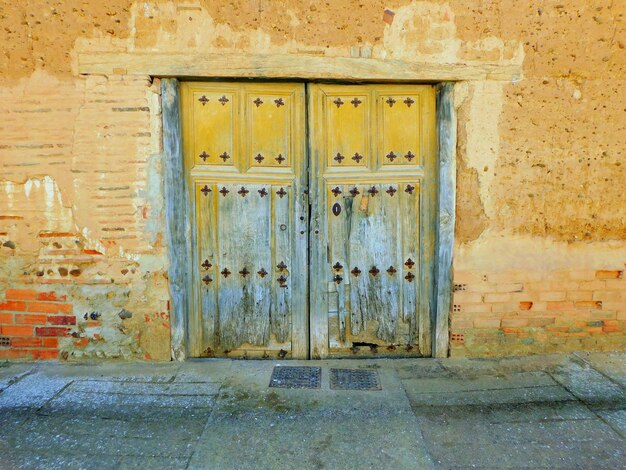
446,126
286,66
281,307
338,235
207,273
244,237
410,251
178,228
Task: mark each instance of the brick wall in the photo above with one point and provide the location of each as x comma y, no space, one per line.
529,312
32,323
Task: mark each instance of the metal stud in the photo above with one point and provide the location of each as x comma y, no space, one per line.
390,101
206,190
409,189
356,271
391,270
409,277
373,191
391,156
262,272
356,102
203,99
279,102
281,266
206,264
354,191
258,102
409,156
223,100
409,263
391,191
338,157
204,156
207,279
374,271
337,278
336,191
357,158
225,272
408,102
280,159
282,280
262,192
337,266
281,193
259,158
244,272
243,191
224,191
338,102
224,156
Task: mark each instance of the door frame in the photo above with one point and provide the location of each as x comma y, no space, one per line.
180,234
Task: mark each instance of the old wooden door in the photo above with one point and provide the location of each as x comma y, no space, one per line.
244,154
368,248
373,173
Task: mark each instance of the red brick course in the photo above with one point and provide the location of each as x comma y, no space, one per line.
33,321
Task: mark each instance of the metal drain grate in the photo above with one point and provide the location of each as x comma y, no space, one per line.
296,377
354,379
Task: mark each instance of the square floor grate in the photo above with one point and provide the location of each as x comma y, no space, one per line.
354,379
296,377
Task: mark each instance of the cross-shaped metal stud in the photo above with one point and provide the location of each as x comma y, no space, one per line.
391,191
409,156
337,266
281,193
390,101
338,102
279,102
262,272
356,271
280,159
262,192
391,156
206,264
243,191
374,271
408,102
373,191
204,155
203,99
224,191
281,266
409,189
357,158
391,270
259,158
258,102
244,272
356,102
409,277
206,190
207,279
338,157
225,272
336,191
337,278
223,100
409,263
354,192
224,156
282,281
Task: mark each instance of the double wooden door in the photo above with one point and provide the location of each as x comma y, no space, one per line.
313,211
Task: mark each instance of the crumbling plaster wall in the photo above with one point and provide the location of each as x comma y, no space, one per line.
540,173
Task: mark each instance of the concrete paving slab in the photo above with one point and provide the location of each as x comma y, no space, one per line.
32,391
142,388
204,370
613,365
616,419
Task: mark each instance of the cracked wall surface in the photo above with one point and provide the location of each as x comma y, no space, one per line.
541,211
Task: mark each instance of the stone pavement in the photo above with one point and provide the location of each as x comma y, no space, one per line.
559,411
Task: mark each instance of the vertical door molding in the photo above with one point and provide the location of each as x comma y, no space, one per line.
178,227
446,139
